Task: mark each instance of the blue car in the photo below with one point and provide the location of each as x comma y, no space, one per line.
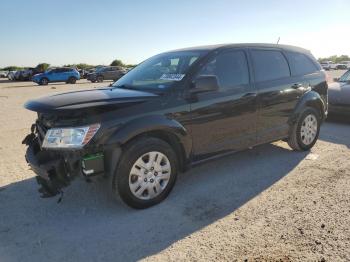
64,74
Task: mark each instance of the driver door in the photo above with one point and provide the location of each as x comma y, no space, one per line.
225,120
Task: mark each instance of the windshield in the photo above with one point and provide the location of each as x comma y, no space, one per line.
160,71
345,77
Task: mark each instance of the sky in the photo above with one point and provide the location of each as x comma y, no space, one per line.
97,32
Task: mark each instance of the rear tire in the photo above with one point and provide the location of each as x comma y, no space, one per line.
72,80
140,181
304,133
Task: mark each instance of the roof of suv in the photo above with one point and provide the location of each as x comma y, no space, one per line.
253,45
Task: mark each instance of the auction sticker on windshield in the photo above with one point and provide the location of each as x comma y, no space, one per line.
172,77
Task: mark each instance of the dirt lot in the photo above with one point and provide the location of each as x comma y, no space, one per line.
268,203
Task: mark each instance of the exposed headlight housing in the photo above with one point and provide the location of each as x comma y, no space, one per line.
69,137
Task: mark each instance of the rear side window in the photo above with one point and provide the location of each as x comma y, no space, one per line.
300,64
269,65
230,68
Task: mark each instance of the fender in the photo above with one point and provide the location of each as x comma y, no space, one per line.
150,123
311,99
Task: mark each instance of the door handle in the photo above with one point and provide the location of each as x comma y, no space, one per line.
297,86
248,95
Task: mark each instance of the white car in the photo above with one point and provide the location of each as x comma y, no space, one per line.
3,74
329,65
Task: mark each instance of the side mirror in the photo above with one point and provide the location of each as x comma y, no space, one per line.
204,84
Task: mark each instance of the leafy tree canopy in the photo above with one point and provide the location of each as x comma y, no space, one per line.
42,67
335,59
117,62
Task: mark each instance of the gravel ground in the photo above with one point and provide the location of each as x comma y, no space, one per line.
264,204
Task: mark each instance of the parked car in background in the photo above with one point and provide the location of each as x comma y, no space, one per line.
3,74
174,110
64,74
87,72
11,75
106,73
82,73
339,95
26,74
345,65
342,66
17,75
329,65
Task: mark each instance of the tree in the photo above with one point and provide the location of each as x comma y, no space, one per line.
80,66
335,58
12,68
117,62
42,67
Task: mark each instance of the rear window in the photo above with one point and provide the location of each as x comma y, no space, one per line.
269,65
300,64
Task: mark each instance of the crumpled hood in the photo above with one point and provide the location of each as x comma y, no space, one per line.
38,75
339,93
88,99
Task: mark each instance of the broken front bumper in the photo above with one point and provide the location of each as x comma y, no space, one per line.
56,169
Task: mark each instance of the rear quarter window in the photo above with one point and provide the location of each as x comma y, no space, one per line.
269,65
300,64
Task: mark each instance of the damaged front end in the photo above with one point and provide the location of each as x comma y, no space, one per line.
56,169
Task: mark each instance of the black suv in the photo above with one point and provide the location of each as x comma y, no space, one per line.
173,110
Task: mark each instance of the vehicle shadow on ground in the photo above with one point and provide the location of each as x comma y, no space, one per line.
336,130
88,226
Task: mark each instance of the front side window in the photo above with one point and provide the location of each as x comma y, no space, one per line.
160,71
51,71
300,64
101,69
269,65
230,69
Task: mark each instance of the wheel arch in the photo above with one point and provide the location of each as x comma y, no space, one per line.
44,77
168,130
309,99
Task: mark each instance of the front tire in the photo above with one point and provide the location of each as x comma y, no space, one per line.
146,173
44,81
99,79
305,132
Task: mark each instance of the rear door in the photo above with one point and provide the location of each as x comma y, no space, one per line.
278,93
54,75
224,120
66,73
